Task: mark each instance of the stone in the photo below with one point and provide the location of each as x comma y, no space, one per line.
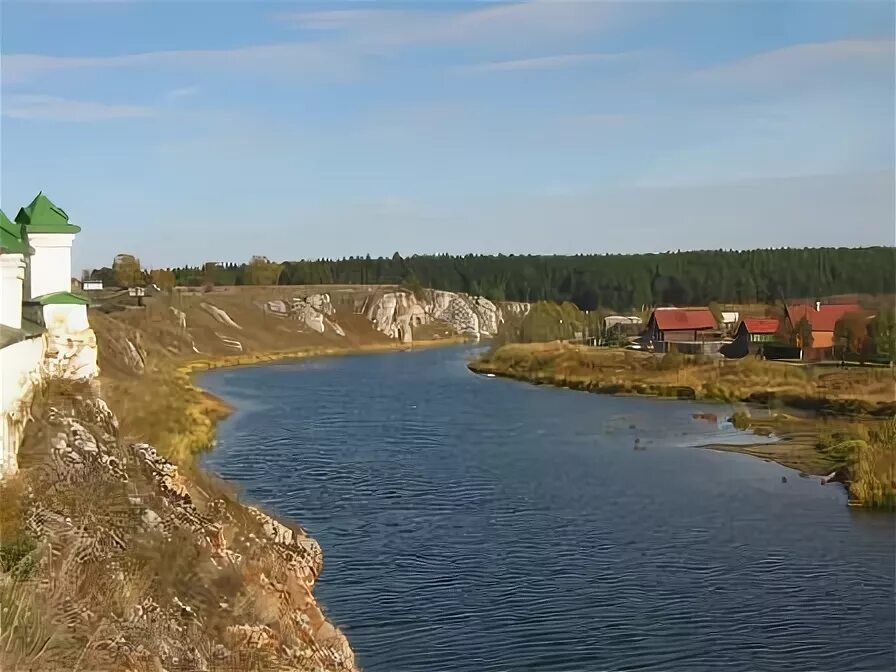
397,313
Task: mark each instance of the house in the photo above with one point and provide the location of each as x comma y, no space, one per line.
758,329
730,318
680,325
823,320
751,336
44,332
611,321
622,327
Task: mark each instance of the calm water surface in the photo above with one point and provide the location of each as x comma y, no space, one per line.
478,524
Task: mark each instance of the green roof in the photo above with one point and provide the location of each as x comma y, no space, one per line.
42,216
12,237
57,298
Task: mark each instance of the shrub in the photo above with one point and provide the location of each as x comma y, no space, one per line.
17,557
672,361
740,420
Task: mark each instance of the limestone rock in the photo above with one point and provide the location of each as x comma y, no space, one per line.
219,314
397,313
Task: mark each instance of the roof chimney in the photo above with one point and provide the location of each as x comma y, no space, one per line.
817,306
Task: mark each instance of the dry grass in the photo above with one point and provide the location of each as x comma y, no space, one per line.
872,465
867,390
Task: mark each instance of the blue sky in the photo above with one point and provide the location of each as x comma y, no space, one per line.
192,131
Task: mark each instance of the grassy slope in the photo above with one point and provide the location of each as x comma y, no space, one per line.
146,361
161,406
832,420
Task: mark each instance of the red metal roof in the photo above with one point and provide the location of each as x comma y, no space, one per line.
761,325
672,319
823,319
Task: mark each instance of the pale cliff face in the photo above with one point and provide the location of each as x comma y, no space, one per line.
312,312
397,313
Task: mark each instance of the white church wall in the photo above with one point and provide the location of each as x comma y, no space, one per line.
64,318
21,370
50,267
12,274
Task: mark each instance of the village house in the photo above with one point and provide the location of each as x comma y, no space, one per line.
822,318
751,337
44,332
684,329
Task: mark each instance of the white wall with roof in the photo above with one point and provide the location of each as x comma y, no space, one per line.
20,374
50,267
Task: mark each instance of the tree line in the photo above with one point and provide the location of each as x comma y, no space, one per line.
620,281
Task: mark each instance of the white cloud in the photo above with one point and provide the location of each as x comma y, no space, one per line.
51,108
548,62
516,22
183,92
797,62
347,39
333,19
274,59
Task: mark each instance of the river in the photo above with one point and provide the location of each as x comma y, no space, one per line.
477,524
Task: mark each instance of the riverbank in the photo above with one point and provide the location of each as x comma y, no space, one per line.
836,424
168,566
170,411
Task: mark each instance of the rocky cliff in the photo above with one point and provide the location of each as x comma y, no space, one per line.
121,561
398,313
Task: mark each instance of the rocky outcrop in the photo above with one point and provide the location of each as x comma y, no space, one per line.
397,313
311,312
219,314
148,570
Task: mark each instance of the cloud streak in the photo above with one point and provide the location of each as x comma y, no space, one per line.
276,59
516,22
548,62
51,108
798,62
182,92
344,41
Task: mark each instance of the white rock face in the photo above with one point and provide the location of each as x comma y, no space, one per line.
397,313
219,314
310,311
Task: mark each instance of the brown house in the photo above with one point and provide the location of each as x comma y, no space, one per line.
751,337
679,325
823,320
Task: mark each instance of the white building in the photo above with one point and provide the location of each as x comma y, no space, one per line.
44,331
730,317
613,320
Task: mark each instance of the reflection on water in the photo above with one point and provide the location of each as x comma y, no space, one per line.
478,524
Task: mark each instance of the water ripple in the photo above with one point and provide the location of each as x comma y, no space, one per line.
480,525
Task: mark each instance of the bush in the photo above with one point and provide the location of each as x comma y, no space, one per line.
672,361
740,420
18,558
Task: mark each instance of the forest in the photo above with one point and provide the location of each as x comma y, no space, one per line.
619,281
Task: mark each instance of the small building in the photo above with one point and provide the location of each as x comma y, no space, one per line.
667,326
758,329
730,318
611,321
752,334
823,319
91,285
14,253
51,235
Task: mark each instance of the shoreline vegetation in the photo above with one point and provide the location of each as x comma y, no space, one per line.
837,424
